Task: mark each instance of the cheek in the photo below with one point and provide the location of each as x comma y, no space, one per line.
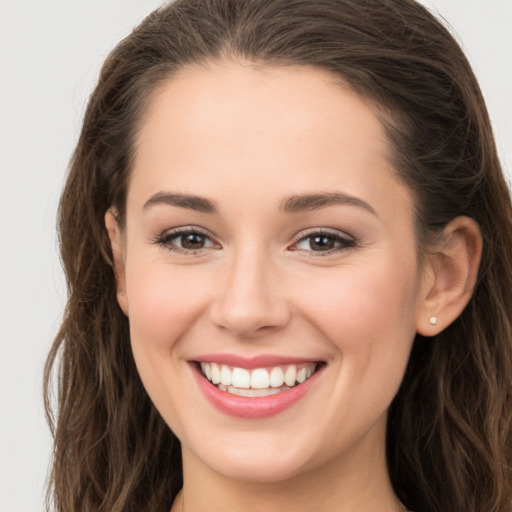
163,302
366,310
367,315
164,306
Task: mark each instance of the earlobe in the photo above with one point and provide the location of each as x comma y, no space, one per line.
116,243
450,276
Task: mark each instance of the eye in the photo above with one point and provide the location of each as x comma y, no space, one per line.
324,242
185,240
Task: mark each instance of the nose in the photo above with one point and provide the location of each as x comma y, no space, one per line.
251,300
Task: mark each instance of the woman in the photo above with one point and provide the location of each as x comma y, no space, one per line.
286,234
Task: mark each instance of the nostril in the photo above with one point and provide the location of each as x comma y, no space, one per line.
249,303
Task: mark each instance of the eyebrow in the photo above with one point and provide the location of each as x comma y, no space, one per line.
293,204
196,203
310,202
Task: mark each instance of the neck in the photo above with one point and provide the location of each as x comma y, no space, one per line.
353,481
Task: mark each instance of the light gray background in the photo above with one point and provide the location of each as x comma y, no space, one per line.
50,55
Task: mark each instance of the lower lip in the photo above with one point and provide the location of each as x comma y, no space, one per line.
253,407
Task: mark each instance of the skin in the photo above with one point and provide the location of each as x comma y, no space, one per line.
247,138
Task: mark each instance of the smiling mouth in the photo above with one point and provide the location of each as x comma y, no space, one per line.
258,382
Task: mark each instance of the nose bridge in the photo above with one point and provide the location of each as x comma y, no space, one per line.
250,301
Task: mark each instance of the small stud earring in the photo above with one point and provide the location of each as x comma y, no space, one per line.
433,320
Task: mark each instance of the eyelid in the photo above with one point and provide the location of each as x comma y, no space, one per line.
345,240
349,240
164,238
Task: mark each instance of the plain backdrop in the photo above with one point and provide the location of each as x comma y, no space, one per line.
50,55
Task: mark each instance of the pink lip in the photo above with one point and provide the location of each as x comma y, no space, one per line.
253,407
250,363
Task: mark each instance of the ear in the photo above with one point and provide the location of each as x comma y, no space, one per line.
450,276
116,242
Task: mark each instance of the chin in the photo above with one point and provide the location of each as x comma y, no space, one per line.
256,459
272,470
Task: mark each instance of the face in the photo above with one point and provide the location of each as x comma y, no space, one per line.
268,245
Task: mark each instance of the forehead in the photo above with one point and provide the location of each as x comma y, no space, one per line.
259,129
202,99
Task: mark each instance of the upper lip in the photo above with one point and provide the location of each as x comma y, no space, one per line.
260,361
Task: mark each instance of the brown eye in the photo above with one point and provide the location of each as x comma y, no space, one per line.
324,242
321,243
192,241
186,241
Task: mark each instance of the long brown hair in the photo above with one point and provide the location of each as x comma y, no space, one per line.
449,446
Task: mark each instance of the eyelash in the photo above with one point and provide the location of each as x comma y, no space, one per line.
343,242
164,240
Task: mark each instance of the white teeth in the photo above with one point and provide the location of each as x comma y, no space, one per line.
252,392
245,392
215,374
276,377
207,370
241,378
260,379
257,382
301,375
225,375
290,375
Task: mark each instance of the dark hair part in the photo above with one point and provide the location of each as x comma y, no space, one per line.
449,445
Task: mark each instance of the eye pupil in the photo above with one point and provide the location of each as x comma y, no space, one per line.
192,241
321,243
